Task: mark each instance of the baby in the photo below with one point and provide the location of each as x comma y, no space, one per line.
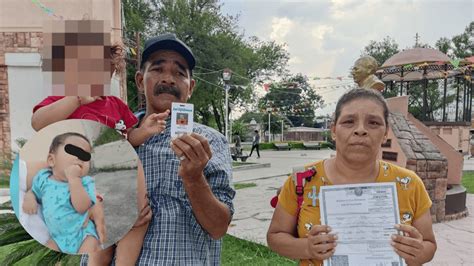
66,195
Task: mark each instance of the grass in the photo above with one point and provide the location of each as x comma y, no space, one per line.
468,181
244,185
236,251
234,164
106,136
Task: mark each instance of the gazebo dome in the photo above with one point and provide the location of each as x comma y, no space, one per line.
416,56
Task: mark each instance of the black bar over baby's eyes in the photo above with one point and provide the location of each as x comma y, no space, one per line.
78,152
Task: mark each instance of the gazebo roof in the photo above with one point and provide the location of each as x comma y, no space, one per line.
415,56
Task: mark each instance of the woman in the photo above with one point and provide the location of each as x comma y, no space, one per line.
359,129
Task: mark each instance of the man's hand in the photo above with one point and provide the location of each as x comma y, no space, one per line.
155,123
30,206
409,245
321,244
73,171
194,153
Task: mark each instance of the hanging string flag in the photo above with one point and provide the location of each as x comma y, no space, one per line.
47,10
455,62
266,86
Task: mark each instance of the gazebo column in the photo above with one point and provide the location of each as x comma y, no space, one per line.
444,92
425,100
457,98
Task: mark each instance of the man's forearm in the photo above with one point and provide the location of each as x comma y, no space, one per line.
212,215
57,111
138,136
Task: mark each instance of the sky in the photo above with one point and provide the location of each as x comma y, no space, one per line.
324,38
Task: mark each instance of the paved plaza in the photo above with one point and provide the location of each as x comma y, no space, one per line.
253,211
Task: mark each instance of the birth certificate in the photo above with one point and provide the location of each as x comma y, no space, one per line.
363,216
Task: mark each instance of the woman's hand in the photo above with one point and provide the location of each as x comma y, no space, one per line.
321,244
409,245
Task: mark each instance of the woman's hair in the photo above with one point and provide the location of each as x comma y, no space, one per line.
59,139
366,94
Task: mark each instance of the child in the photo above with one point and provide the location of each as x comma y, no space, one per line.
110,111
66,195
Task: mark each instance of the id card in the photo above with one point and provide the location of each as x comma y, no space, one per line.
181,119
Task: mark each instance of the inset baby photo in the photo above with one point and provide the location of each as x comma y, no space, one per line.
182,119
78,186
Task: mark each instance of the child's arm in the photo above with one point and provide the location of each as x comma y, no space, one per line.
79,197
129,247
153,124
57,111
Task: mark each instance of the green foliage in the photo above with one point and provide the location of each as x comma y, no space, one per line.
459,46
327,145
238,252
468,181
107,135
266,146
434,100
217,44
296,145
239,128
21,142
238,186
381,50
293,98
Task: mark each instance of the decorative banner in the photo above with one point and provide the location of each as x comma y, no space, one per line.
266,86
455,62
48,10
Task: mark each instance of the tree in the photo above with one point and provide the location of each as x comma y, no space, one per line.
382,50
444,45
138,20
217,44
293,98
459,46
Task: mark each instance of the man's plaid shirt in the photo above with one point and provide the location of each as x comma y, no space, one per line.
174,236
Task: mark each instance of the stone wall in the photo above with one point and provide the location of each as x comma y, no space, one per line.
424,159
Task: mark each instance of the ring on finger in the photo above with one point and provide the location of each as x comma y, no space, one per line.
182,157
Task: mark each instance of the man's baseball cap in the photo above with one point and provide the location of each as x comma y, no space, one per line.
168,41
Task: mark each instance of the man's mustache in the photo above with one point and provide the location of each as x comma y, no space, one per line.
160,88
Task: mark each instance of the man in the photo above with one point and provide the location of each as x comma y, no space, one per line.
255,144
188,178
363,73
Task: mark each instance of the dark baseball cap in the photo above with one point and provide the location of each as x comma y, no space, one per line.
168,41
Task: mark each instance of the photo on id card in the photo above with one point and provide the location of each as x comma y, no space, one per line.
181,119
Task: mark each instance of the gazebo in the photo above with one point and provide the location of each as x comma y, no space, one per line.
431,145
423,65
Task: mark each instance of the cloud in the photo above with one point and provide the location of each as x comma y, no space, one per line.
280,28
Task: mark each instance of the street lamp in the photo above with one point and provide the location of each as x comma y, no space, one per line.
226,76
269,110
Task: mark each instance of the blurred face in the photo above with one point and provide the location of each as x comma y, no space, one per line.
359,131
165,79
60,160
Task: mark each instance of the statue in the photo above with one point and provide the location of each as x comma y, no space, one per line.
363,73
